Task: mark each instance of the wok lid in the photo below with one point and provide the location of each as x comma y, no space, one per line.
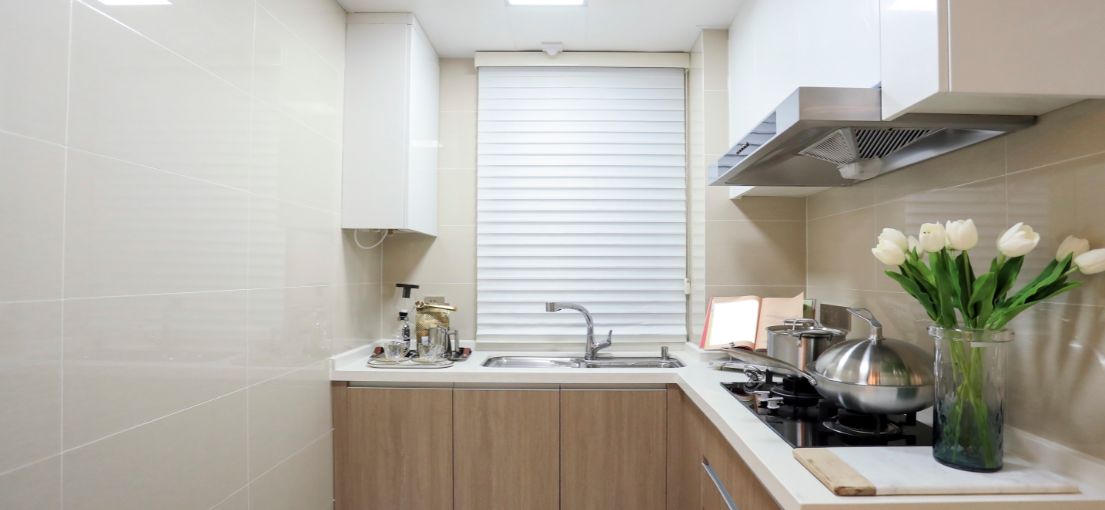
875,361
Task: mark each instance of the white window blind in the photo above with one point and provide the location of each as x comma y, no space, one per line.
581,198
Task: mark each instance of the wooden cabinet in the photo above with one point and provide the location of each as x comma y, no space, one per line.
613,449
389,161
989,56
393,448
506,449
686,427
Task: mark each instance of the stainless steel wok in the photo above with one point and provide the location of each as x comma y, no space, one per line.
872,375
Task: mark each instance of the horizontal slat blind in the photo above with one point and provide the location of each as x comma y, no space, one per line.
581,198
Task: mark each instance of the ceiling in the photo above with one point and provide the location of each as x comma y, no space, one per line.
457,28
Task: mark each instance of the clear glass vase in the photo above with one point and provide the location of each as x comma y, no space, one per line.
970,397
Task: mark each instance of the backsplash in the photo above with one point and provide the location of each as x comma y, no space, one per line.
1050,176
174,275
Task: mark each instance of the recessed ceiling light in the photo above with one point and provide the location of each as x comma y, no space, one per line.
554,3
136,2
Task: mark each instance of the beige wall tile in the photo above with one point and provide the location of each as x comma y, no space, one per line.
356,314
839,200
1074,131
133,230
1061,345
720,207
840,251
292,162
303,482
715,50
193,459
291,245
288,329
135,359
716,123
356,265
1055,342
320,24
35,487
237,501
449,258
755,253
30,383
226,47
34,39
292,76
456,192
119,105
983,202
32,194
1060,200
457,138
458,85
287,413
975,163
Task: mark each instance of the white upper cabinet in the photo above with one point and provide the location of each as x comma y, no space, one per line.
389,166
990,56
778,46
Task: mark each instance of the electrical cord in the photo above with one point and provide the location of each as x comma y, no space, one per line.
363,247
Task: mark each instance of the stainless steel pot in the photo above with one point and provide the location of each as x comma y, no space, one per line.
801,341
871,375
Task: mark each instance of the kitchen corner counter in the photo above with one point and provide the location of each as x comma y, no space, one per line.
771,458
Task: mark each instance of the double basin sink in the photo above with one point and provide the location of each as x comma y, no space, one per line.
565,362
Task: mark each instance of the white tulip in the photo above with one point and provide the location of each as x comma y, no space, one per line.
1018,240
1072,246
913,243
889,253
1091,262
894,236
933,237
962,234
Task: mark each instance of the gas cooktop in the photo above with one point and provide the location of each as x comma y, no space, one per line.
795,411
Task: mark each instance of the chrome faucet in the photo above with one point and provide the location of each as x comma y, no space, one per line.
592,347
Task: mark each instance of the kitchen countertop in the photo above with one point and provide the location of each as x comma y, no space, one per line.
771,458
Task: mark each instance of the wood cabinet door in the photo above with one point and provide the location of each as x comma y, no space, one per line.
506,449
393,448
742,485
686,427
613,452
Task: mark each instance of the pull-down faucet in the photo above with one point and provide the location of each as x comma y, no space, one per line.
592,348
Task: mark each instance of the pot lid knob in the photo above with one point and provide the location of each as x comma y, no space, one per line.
866,315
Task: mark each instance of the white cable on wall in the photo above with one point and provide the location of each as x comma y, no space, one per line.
357,240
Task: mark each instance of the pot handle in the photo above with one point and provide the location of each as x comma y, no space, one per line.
866,315
767,362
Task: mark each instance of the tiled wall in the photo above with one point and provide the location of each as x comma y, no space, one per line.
748,246
173,270
1051,176
445,266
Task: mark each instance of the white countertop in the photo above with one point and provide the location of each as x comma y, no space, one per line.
771,458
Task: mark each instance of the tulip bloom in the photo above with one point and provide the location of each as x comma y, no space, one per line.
1091,262
1018,241
933,237
1072,246
962,234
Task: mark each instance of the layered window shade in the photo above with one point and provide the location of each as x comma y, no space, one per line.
581,198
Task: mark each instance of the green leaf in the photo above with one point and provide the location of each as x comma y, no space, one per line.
1007,275
981,304
913,289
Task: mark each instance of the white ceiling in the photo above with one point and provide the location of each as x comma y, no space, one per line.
457,28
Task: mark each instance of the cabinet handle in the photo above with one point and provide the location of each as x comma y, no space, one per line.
729,503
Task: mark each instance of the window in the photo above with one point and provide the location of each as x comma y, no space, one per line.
581,197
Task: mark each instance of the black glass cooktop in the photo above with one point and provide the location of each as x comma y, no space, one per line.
803,419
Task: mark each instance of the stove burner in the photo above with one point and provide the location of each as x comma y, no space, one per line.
796,391
804,420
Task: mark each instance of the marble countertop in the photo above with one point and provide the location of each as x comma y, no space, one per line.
771,458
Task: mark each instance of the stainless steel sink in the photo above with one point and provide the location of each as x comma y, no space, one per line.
602,362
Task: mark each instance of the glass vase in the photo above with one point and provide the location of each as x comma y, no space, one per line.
970,397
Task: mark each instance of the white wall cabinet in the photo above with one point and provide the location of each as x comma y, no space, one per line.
389,165
990,56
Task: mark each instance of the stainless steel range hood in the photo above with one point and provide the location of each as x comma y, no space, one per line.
834,136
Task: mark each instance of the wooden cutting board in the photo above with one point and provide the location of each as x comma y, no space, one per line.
903,470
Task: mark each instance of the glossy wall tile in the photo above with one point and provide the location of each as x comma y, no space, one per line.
1050,176
174,272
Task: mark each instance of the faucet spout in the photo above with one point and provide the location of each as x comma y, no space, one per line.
592,347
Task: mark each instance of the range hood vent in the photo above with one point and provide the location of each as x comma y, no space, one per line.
826,136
